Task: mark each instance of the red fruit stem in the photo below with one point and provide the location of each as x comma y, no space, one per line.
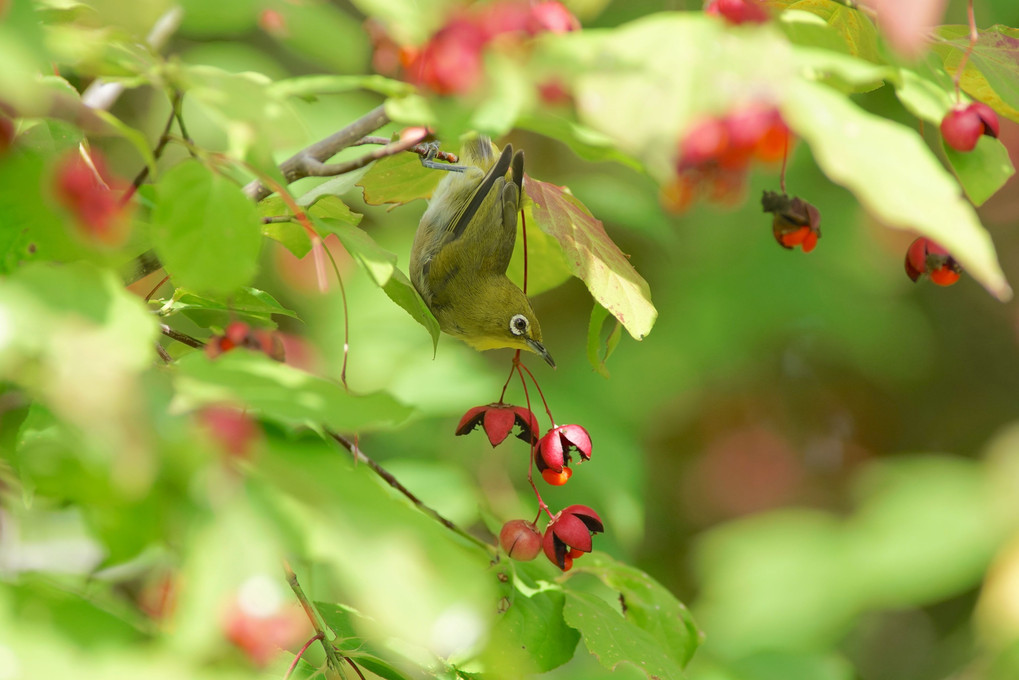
551,420
513,367
523,232
534,449
300,653
973,37
353,665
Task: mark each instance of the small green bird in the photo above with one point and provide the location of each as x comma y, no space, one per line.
462,249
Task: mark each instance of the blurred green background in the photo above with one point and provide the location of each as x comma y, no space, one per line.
820,457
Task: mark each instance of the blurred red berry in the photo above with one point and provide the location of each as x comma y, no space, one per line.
498,420
520,539
240,334
554,93
6,133
555,447
568,535
962,127
262,631
795,222
552,17
451,61
499,18
737,11
272,22
927,257
93,196
233,430
705,142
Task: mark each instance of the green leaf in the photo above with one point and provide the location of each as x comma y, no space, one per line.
923,96
546,266
336,186
334,208
401,291
280,393
409,22
531,632
399,179
856,30
614,640
315,29
847,73
136,138
378,262
245,302
596,356
915,192
412,109
206,232
992,72
648,605
291,235
510,91
916,511
311,86
586,142
982,171
593,257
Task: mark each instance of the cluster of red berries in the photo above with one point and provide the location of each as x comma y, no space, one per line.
963,126
738,11
568,533
451,62
715,155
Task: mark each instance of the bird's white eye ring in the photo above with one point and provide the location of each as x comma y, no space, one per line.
519,324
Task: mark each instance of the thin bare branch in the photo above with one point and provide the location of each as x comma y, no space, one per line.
360,457
322,150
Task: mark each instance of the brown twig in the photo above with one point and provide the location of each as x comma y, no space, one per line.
360,457
180,337
324,633
316,169
294,167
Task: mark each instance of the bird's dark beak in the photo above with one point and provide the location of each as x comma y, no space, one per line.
540,350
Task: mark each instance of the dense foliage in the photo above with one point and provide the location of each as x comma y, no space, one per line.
228,421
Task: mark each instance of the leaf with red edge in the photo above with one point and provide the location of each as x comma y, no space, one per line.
593,257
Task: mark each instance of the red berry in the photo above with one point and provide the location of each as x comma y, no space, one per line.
737,11
273,23
554,478
555,447
927,257
520,539
795,222
568,535
705,142
85,188
552,17
498,420
962,127
988,117
233,430
451,61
